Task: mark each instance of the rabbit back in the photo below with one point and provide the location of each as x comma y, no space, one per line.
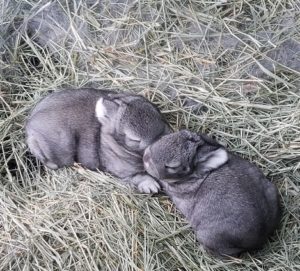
62,128
232,210
227,200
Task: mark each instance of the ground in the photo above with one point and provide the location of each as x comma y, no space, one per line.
227,68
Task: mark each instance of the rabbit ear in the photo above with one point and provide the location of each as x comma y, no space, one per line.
101,111
105,109
212,160
209,140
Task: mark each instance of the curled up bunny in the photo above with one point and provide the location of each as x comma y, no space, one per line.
99,129
228,201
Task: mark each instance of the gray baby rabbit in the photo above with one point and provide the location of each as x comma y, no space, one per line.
72,126
227,200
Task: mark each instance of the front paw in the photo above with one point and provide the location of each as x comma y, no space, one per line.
148,185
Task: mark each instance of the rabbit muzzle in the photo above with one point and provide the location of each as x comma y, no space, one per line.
149,165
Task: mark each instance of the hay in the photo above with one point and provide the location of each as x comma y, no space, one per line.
226,68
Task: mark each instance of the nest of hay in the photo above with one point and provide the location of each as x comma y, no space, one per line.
228,68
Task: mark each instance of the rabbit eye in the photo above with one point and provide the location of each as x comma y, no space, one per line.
178,169
132,143
171,170
131,137
173,164
172,167
134,140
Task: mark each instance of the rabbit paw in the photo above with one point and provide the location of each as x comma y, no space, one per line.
148,185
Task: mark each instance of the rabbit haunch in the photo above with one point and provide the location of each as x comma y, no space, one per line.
227,200
99,129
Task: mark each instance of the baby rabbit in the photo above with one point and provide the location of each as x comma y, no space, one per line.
72,126
227,200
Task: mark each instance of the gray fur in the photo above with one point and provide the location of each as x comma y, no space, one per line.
231,205
63,128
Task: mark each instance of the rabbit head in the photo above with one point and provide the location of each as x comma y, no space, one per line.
183,153
172,155
131,120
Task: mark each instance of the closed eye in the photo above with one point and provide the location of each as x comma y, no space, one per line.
168,167
124,135
134,140
180,168
132,143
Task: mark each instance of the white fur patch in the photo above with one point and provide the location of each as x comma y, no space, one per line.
100,110
51,165
216,159
148,185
